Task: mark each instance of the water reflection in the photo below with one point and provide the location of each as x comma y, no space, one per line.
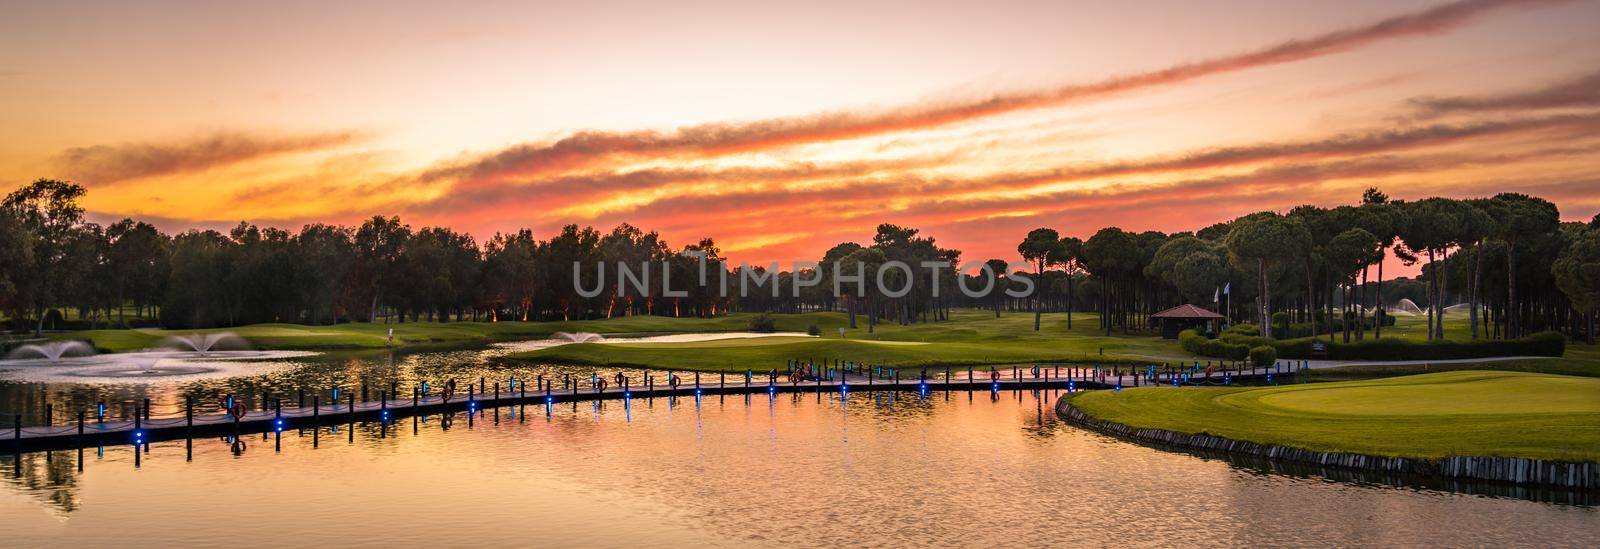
791,469
291,379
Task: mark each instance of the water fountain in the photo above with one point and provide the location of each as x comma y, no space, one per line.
578,337
1410,308
204,343
198,356
1407,307
52,350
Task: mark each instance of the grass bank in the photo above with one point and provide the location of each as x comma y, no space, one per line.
1469,413
375,336
968,338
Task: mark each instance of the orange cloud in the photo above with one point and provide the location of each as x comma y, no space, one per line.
850,183
1583,91
101,165
586,148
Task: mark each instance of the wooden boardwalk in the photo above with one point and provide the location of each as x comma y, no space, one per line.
86,432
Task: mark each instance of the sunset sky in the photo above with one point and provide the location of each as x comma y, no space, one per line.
782,128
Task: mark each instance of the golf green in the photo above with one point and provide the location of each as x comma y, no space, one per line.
1477,413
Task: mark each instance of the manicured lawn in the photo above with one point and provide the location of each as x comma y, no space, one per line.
365,335
968,338
1478,413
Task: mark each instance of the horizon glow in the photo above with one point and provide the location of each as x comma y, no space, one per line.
781,132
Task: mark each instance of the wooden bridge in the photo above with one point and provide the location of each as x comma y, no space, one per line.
89,431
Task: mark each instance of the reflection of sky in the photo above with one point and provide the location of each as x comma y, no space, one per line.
793,470
148,367
306,113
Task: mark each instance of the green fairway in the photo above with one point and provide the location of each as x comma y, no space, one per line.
370,336
1466,413
968,338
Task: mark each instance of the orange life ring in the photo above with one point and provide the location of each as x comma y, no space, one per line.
238,410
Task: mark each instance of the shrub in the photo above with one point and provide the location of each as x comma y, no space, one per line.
764,323
1549,344
813,329
1193,342
1263,356
1238,343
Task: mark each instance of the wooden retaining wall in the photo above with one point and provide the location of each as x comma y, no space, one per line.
1582,476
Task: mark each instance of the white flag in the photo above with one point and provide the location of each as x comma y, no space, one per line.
1216,296
1226,286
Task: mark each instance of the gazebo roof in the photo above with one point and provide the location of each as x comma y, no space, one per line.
1187,311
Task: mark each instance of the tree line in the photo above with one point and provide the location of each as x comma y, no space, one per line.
1508,259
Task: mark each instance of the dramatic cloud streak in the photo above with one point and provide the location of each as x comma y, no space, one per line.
585,148
100,165
683,190
1583,91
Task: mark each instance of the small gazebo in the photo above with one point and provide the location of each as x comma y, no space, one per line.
1183,317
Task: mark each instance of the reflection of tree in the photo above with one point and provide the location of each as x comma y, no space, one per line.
51,477
1042,422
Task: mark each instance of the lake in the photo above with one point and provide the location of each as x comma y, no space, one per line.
945,469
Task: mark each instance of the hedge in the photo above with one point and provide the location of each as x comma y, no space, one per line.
1263,356
1235,344
1195,343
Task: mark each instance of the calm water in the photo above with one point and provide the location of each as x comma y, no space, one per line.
879,469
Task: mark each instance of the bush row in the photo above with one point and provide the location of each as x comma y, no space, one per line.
1198,344
1236,344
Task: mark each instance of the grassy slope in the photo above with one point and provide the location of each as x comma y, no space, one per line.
361,335
1509,414
970,337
